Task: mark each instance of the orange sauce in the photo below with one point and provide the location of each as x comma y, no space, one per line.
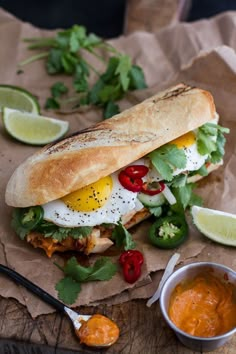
98,331
204,306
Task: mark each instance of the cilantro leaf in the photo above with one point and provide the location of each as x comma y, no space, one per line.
76,271
202,171
82,69
123,237
93,95
210,140
68,290
109,93
53,64
185,196
205,145
74,43
58,89
91,41
195,200
51,103
166,158
69,61
122,70
59,233
217,155
103,269
80,84
110,72
179,180
111,109
156,211
17,226
137,80
63,39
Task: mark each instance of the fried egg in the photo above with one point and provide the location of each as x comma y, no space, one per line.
194,160
107,201
187,142
104,201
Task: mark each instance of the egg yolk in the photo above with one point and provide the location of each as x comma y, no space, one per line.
185,140
91,197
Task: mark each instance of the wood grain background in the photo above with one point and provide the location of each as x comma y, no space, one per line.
143,331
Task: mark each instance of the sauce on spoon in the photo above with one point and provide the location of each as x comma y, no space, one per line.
98,331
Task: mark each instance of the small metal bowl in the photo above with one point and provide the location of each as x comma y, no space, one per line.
188,272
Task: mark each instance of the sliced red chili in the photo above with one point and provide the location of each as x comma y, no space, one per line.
131,254
150,189
131,270
136,171
131,262
132,184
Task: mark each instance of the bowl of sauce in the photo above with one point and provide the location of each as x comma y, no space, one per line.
198,301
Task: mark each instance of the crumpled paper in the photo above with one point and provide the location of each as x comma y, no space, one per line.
200,53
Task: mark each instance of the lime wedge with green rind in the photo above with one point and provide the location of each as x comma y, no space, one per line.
32,128
217,225
18,98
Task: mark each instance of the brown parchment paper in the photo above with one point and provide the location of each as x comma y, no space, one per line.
201,53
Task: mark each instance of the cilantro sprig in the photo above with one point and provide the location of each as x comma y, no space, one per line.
69,287
122,237
211,141
59,233
185,197
166,158
67,53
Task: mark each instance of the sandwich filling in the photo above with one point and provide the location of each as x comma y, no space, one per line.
87,219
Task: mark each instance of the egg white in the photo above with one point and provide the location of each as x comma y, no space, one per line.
120,202
193,159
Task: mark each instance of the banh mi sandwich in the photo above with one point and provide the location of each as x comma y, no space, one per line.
74,194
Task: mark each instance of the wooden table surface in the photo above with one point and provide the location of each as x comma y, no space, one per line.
142,329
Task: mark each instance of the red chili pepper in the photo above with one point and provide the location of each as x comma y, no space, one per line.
136,171
131,254
131,270
131,262
132,184
152,191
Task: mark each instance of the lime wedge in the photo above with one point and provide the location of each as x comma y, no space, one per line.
32,128
216,225
17,98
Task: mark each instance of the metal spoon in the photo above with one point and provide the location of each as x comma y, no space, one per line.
76,318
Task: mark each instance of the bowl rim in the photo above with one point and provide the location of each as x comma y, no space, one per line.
165,314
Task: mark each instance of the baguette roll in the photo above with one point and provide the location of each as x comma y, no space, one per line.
83,158
48,177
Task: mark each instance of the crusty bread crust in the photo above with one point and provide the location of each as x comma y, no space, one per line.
85,157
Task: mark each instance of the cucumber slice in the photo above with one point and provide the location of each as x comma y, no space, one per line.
152,200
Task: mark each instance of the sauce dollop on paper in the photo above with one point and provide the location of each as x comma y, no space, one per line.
204,306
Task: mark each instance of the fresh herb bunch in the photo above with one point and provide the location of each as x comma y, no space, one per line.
65,54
